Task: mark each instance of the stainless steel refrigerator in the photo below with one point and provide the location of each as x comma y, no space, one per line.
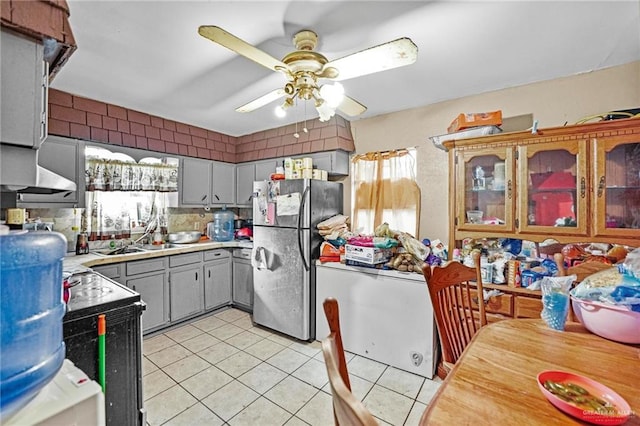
286,244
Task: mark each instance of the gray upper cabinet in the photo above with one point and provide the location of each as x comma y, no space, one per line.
245,175
206,183
25,85
195,182
65,157
264,168
336,163
223,183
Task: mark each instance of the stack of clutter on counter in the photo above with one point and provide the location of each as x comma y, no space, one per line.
334,230
385,249
516,263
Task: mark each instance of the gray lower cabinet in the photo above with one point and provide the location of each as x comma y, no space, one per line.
217,279
149,278
242,278
152,289
185,285
113,271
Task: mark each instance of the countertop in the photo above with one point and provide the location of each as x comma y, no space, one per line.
78,263
414,276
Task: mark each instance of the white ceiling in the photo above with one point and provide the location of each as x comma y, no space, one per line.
148,56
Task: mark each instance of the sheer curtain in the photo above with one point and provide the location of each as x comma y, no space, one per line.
384,189
123,196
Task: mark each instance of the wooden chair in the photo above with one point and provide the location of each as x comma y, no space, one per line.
347,409
453,290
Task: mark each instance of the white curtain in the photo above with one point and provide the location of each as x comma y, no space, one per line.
384,189
118,214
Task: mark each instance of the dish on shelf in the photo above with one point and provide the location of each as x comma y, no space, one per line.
617,414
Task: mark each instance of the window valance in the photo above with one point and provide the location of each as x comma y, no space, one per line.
121,175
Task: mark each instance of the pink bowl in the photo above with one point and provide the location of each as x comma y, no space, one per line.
594,388
608,321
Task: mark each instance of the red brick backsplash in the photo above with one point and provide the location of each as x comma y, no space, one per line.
88,119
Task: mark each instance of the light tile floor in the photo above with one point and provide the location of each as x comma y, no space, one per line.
221,370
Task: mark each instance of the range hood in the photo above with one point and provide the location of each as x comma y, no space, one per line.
21,173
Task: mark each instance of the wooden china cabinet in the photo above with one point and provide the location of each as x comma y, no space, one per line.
577,183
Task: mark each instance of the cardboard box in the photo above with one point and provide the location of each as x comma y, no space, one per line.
464,121
369,255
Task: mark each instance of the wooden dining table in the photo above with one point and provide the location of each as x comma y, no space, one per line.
494,382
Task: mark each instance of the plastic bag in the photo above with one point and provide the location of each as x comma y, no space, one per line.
631,265
383,230
413,246
555,300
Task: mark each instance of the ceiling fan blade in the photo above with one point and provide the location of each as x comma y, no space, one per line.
241,47
261,101
393,54
351,107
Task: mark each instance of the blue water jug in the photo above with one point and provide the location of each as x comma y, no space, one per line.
31,347
223,225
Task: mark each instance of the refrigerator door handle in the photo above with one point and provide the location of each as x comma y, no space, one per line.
259,258
300,213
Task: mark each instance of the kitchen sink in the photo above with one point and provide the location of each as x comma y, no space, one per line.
120,251
152,247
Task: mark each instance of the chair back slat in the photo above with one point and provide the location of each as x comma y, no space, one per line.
347,409
332,312
453,290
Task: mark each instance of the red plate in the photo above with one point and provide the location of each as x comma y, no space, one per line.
594,388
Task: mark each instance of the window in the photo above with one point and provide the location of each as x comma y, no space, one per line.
384,189
123,195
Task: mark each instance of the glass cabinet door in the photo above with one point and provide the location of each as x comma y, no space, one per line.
616,183
484,185
552,188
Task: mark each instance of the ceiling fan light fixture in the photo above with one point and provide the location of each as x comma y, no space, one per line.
304,66
280,111
333,94
324,110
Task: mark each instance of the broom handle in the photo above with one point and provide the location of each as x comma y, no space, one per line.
102,328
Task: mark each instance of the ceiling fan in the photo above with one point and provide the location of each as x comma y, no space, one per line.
305,68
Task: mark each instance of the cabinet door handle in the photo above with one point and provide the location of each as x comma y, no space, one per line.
583,187
209,273
196,276
217,198
204,198
601,186
509,189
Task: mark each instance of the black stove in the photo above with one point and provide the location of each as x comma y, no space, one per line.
95,293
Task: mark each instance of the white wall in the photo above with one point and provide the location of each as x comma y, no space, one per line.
552,103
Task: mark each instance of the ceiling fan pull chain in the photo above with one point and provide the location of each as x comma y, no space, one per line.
304,129
295,117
